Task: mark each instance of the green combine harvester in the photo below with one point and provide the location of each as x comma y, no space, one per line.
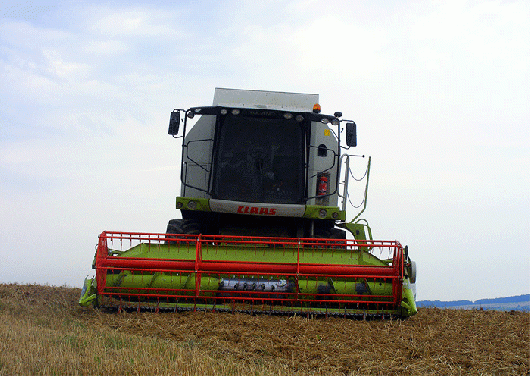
264,191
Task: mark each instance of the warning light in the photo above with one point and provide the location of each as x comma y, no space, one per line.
322,185
316,108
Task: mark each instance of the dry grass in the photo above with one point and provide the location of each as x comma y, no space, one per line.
43,331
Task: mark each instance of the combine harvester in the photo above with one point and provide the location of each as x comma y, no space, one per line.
262,231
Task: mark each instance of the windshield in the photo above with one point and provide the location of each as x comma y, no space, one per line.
259,159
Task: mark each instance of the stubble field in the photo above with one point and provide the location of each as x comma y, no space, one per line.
44,332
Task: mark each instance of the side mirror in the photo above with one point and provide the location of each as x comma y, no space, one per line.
351,134
174,123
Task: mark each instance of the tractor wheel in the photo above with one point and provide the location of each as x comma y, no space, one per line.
331,233
412,276
183,226
174,226
191,227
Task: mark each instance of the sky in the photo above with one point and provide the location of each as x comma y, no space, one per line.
440,92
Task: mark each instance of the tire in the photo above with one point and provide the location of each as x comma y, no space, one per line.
412,276
330,233
337,233
174,226
191,227
182,226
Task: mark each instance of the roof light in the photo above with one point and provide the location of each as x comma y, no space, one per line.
224,111
236,111
324,121
288,115
335,121
299,118
316,108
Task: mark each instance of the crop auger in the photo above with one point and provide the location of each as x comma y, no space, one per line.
261,229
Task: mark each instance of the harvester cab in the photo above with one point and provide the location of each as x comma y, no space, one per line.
264,191
260,163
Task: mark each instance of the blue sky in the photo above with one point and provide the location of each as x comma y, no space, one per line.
439,91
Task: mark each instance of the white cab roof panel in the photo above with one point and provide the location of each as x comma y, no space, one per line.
262,99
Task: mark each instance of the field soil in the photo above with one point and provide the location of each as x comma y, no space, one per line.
43,331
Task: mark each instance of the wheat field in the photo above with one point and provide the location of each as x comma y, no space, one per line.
44,332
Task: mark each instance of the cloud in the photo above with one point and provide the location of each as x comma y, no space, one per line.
106,47
29,11
485,43
137,21
337,51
